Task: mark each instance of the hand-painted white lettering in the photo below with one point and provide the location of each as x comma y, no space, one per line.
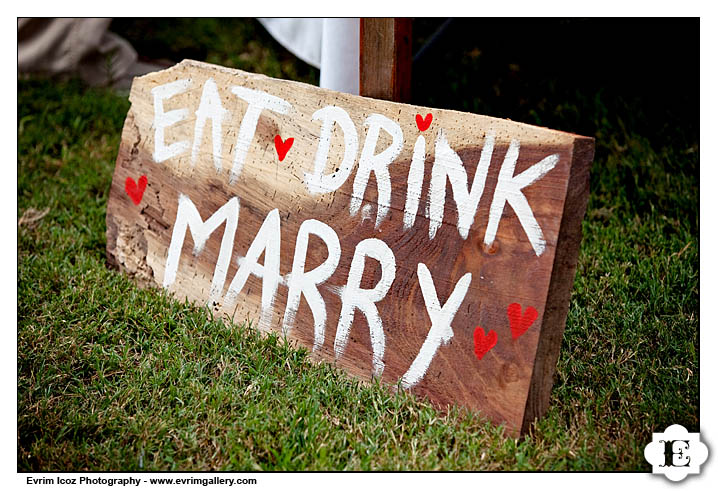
258,101
508,188
447,164
353,297
317,182
366,212
165,119
441,317
210,107
414,182
189,217
305,283
267,240
378,163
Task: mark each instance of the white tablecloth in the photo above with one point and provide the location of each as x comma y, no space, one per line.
332,45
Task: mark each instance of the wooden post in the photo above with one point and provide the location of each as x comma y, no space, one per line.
385,59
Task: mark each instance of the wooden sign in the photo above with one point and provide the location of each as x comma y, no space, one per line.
433,249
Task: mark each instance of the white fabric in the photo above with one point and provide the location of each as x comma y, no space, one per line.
340,55
302,37
331,44
66,45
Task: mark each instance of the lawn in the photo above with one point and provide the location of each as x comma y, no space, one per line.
112,377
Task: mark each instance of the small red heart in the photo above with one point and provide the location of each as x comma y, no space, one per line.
135,191
423,123
282,146
520,323
484,343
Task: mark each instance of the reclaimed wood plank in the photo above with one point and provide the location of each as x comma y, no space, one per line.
509,381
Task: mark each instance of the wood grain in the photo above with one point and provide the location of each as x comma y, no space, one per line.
512,382
385,59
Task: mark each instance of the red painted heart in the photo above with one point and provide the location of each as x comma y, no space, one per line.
136,190
423,123
484,342
520,323
282,146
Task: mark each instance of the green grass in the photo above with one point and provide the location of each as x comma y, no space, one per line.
111,377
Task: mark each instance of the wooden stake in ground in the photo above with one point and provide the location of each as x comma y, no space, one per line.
385,59
431,249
